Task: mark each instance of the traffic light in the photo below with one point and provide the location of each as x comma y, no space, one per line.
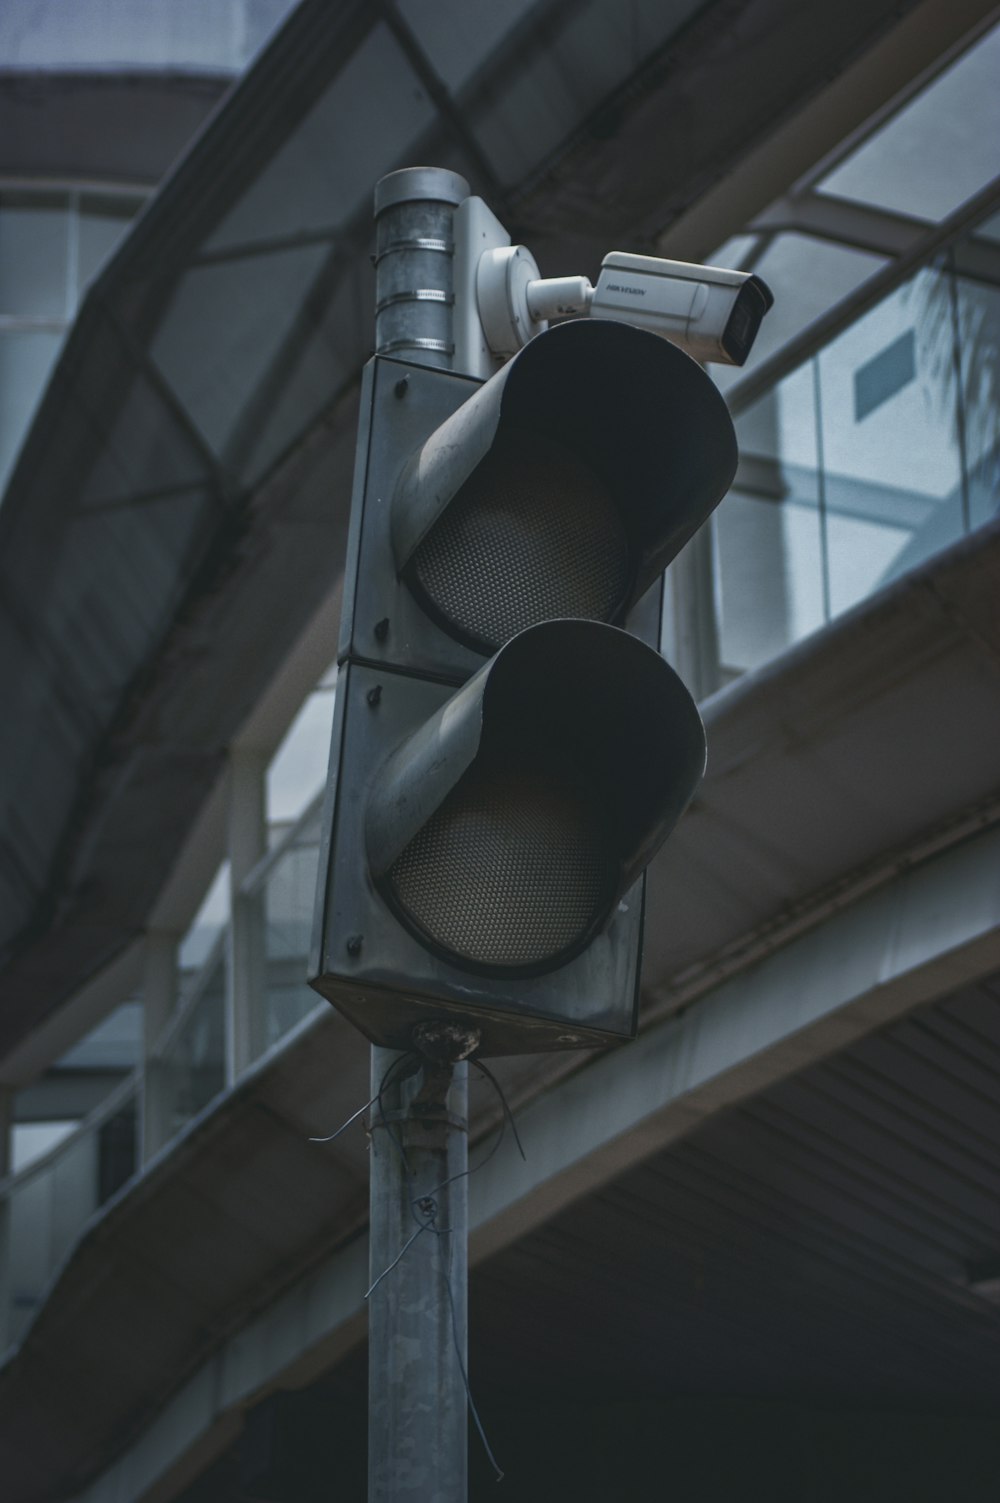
509,749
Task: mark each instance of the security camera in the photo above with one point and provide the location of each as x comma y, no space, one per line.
712,313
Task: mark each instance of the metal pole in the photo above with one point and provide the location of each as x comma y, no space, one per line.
417,1308
418,1238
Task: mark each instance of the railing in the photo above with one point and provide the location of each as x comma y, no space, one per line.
878,450
47,1205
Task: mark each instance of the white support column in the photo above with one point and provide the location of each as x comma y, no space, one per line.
6,1137
245,980
159,998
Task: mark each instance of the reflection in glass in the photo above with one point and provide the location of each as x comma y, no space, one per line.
892,474
769,577
977,310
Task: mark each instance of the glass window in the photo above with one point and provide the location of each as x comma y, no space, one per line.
734,253
298,769
768,555
26,361
978,313
808,277
938,150
288,896
889,442
208,923
33,257
102,223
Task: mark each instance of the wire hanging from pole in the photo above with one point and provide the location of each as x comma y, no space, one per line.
426,1205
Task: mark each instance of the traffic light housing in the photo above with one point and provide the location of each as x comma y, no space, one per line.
509,749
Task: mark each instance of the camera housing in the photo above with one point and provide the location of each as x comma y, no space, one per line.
712,313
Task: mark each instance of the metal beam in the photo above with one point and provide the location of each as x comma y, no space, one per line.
835,114
836,219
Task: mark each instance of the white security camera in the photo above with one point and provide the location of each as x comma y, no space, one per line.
712,313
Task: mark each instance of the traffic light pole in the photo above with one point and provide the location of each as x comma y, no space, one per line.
489,819
417,1310
418,1238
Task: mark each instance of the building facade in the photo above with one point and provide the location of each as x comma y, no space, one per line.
756,1252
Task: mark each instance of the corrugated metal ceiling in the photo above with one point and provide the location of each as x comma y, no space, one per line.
816,1243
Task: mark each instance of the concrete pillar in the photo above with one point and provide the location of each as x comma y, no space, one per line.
159,998
245,978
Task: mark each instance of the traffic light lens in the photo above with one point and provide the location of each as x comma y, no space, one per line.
512,872
533,534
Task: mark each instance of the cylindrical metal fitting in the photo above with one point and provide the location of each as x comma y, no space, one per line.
414,250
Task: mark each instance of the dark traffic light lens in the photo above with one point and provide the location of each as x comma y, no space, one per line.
533,534
511,873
